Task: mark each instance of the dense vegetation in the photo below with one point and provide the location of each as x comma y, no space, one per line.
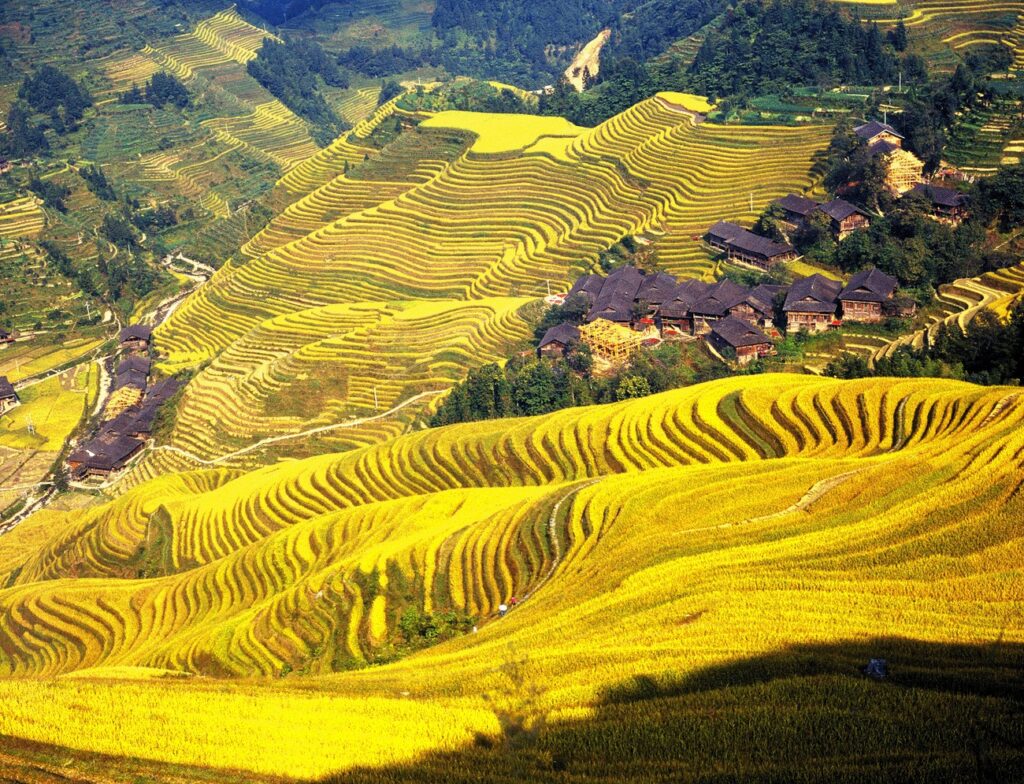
47,99
98,183
470,96
293,72
988,351
772,45
163,88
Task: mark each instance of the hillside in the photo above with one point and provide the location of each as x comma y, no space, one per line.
686,554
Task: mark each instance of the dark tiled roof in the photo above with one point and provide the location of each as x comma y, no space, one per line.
682,298
615,302
821,293
6,388
136,364
724,231
870,285
136,332
942,197
757,245
870,130
566,334
105,452
162,391
131,378
738,333
839,210
587,285
719,298
656,288
800,205
762,298
883,147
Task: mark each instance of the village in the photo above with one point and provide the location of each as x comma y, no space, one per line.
630,309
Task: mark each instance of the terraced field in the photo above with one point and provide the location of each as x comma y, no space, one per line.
685,557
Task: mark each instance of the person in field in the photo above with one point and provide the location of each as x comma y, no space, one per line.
502,609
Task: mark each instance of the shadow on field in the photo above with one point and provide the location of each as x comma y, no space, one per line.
944,713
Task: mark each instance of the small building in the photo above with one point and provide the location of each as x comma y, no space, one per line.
759,251
796,209
721,233
558,340
844,218
588,287
132,372
811,304
745,340
863,297
655,290
6,338
136,337
676,312
8,397
103,455
875,131
948,205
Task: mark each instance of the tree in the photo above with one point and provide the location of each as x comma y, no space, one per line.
632,387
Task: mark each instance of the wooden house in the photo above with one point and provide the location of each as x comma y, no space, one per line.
862,299
721,299
676,312
617,296
742,245
558,340
734,335
136,337
812,303
875,131
8,397
948,205
6,338
612,342
844,218
103,455
761,301
796,209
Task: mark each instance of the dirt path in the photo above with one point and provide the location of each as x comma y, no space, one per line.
588,60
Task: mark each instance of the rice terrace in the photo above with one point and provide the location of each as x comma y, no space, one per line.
448,391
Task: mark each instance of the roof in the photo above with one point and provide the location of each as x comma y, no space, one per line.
563,333
656,288
136,364
587,285
757,245
682,298
815,294
942,197
615,302
800,205
738,333
105,452
762,298
6,388
162,391
136,332
884,147
725,230
719,298
870,285
839,210
870,130
131,378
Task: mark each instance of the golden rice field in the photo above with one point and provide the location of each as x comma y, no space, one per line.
702,572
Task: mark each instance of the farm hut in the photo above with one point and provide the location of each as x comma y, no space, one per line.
796,209
8,397
737,336
811,304
136,337
948,205
6,338
558,340
863,297
844,218
103,455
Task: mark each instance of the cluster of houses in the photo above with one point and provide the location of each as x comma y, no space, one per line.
123,436
628,306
